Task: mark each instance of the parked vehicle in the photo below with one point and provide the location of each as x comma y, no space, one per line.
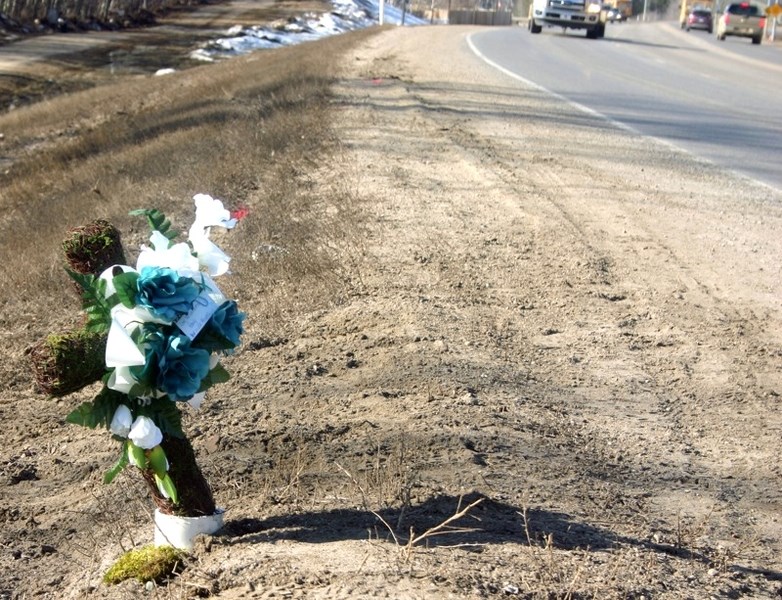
700,18
568,14
742,19
613,14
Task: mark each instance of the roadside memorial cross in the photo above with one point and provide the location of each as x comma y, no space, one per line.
154,335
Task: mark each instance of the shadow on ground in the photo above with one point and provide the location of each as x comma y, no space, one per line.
488,522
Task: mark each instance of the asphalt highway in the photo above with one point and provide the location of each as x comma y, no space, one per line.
719,101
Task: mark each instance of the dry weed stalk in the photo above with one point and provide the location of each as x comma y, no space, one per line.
440,529
443,528
549,571
688,531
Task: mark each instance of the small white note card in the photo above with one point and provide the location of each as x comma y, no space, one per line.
193,322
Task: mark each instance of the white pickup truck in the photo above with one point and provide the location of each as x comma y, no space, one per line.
568,14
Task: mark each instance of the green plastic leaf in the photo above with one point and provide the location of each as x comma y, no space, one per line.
137,456
85,280
127,289
157,221
121,463
94,301
217,375
166,485
83,415
98,412
158,461
211,340
165,414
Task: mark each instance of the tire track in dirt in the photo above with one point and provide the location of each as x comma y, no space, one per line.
672,401
670,359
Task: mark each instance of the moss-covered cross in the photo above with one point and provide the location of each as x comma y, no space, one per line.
64,363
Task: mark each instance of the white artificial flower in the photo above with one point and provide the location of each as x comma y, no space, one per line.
144,433
178,257
121,422
210,212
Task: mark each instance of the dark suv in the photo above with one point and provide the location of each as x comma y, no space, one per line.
700,18
742,19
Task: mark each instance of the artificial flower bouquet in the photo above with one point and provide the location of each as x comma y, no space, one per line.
167,325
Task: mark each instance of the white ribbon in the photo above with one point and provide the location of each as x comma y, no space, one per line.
121,380
121,350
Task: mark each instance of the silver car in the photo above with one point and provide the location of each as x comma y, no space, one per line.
742,19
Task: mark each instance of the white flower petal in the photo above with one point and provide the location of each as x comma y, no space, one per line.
211,212
145,434
178,257
121,421
121,350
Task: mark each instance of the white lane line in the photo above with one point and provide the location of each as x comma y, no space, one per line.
613,122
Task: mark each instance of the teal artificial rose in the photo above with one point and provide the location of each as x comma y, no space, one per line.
181,368
223,330
165,293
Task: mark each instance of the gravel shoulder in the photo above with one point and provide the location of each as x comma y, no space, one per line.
575,326
603,311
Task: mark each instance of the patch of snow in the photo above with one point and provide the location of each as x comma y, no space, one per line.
346,15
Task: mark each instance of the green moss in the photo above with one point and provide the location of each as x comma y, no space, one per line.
65,362
93,248
150,563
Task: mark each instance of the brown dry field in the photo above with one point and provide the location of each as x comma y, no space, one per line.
458,290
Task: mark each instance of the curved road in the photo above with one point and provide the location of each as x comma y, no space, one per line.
721,101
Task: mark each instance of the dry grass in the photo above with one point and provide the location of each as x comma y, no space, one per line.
247,131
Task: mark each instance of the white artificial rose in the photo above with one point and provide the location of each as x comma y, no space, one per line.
121,422
145,434
210,212
177,257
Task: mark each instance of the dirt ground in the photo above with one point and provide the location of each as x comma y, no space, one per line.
575,326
